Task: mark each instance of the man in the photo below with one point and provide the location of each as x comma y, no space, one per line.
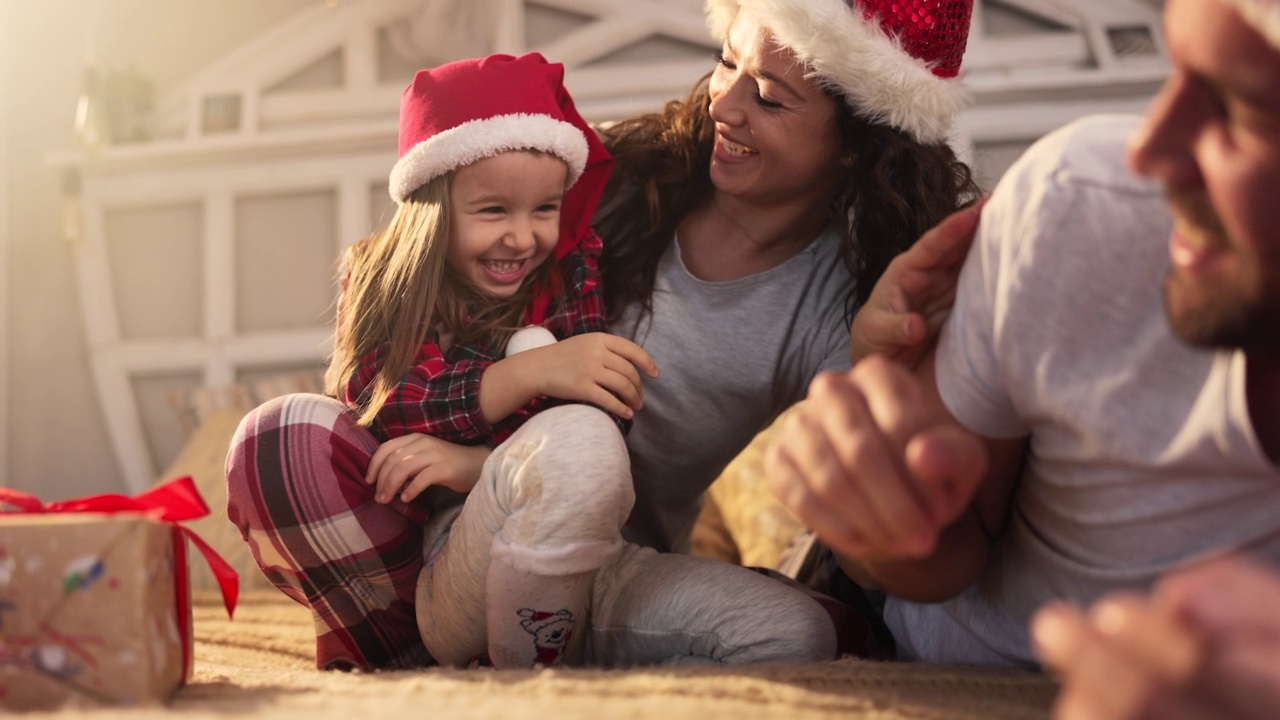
1141,454
1206,642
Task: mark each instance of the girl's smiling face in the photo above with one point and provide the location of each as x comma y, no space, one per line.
505,218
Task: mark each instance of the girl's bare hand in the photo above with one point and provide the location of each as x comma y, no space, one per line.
405,466
596,368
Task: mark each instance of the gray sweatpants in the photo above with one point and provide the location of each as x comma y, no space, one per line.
550,504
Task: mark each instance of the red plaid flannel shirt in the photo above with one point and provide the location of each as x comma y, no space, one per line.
440,395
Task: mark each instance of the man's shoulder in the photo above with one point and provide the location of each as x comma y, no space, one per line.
1089,151
1073,190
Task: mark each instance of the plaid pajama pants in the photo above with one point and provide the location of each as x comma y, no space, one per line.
296,491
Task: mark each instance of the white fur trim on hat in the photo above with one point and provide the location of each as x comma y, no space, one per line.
474,140
1263,15
878,79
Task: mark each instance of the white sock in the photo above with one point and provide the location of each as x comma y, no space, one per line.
535,619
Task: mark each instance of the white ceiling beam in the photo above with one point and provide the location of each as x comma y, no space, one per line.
596,40
1061,48
1024,122
1061,12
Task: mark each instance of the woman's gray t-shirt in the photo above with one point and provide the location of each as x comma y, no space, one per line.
731,356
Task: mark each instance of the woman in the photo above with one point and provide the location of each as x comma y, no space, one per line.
742,228
745,225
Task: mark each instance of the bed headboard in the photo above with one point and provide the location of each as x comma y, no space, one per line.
208,248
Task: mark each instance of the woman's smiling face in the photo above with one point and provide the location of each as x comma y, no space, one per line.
776,136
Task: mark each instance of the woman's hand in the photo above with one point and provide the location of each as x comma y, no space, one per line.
915,294
407,465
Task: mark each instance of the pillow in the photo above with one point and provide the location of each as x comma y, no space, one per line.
194,406
204,458
711,539
754,520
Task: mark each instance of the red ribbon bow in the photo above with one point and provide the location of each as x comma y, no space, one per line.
172,502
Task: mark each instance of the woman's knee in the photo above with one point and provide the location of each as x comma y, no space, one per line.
815,632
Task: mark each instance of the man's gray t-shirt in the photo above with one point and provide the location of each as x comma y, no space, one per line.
732,356
1142,454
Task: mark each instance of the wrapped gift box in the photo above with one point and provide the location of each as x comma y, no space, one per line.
95,607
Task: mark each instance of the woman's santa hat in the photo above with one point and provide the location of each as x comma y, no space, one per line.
895,62
464,111
1263,16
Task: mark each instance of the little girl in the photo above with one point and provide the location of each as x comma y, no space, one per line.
496,183
497,179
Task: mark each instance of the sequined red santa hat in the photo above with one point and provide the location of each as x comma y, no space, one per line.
895,62
1263,16
468,110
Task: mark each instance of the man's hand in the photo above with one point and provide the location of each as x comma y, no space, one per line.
1205,644
915,294
874,466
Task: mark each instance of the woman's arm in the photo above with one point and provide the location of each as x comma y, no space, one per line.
913,297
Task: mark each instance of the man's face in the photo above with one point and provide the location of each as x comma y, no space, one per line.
1212,136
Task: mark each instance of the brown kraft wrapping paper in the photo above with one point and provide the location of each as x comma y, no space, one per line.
94,608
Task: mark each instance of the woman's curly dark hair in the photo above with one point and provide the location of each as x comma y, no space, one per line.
894,190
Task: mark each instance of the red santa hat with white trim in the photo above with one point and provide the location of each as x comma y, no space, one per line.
1263,16
468,110
895,62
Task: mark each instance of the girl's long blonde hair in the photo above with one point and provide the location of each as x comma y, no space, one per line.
400,287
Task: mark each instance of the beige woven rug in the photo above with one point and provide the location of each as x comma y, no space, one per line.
260,665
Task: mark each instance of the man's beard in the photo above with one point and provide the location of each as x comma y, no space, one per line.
1208,319
1224,315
